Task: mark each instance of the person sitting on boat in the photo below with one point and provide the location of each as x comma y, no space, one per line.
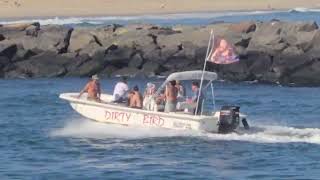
171,97
148,99
135,98
120,91
181,90
194,100
93,89
161,101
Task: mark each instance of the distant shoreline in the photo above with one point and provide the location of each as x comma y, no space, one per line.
26,9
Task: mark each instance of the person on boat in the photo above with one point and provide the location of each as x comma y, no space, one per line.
181,90
181,94
93,89
120,91
148,95
194,100
161,101
135,98
171,94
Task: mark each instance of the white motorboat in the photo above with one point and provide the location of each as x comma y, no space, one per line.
226,120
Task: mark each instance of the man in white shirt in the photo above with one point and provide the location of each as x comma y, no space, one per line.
120,91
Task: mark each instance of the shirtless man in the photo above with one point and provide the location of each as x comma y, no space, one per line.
171,97
93,89
135,98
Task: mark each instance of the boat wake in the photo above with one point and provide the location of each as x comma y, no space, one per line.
273,134
258,134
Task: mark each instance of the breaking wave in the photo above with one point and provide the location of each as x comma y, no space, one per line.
258,134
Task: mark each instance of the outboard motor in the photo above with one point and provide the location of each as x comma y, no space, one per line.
229,119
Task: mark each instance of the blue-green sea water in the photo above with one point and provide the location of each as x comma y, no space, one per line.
41,137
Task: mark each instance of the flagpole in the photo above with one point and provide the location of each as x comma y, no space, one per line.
204,69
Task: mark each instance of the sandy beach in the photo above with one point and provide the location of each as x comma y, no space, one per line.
43,8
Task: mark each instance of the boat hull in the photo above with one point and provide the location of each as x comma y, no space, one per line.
117,114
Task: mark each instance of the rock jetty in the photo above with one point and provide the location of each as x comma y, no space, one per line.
270,52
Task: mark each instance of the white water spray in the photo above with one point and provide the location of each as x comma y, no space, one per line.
84,128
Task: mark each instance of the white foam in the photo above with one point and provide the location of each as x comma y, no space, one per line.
303,9
274,134
84,128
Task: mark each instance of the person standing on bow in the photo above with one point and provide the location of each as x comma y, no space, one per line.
93,89
120,91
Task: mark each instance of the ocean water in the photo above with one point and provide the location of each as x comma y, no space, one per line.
41,137
203,18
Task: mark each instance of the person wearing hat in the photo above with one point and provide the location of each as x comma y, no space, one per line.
93,89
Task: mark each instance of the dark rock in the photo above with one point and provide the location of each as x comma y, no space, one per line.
136,61
32,31
126,71
43,65
49,38
4,61
82,39
260,66
118,57
243,27
90,66
151,68
22,55
2,37
74,67
314,48
307,75
235,72
164,31
7,49
107,71
267,39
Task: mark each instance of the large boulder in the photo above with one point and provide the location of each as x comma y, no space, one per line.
243,27
307,75
267,38
8,49
151,68
83,41
107,71
49,38
22,54
4,61
47,64
313,49
89,66
235,72
15,31
2,37
136,61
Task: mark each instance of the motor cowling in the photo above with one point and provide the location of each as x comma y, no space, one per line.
229,119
